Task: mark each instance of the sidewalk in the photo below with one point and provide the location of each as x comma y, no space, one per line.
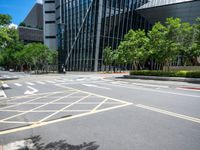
192,80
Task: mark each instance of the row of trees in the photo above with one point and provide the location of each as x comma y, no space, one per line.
14,54
173,42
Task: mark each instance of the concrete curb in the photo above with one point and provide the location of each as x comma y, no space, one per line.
8,78
192,80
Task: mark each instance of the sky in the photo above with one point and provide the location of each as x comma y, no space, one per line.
18,9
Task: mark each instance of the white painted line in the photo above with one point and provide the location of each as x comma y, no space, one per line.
151,85
2,94
37,107
29,83
80,79
96,86
27,92
154,90
18,104
197,120
39,82
60,120
17,84
122,82
64,108
58,80
93,94
5,86
50,81
93,110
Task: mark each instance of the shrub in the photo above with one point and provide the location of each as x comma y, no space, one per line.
182,73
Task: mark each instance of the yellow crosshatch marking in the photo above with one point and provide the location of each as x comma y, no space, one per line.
26,112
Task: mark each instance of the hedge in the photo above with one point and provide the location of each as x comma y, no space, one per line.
182,73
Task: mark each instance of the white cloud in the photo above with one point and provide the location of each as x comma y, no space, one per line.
40,1
12,25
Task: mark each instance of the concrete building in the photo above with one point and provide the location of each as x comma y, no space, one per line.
32,29
50,26
83,28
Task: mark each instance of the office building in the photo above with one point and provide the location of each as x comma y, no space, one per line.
50,30
83,28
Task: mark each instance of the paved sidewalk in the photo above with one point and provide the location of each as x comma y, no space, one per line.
192,80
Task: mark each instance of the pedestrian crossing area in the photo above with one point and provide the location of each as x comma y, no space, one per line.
53,81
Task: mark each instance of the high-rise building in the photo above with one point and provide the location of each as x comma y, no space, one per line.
85,27
50,31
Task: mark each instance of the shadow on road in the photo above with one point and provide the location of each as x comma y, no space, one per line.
60,145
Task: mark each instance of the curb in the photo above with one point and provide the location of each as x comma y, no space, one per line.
192,80
8,78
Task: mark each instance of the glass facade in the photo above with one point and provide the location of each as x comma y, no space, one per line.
88,26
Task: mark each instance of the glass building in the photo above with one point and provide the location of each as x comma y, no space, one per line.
86,27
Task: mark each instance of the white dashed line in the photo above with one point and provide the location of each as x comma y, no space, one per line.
17,84
50,81
29,83
57,80
151,85
39,82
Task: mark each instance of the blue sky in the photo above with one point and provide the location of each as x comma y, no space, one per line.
18,9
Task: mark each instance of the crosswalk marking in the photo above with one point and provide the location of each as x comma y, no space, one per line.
17,84
39,82
29,83
50,81
59,80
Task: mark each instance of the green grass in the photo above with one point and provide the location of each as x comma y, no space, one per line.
182,73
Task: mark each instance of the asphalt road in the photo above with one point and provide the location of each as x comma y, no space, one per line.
100,111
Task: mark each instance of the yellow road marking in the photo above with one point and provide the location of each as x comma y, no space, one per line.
59,120
63,103
87,112
99,105
20,111
197,120
64,108
18,104
105,97
37,107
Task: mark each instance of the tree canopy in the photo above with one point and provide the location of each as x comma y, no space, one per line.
14,54
174,42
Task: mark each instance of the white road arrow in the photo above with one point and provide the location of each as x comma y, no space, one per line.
30,92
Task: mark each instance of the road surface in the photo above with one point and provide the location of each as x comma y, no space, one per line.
100,111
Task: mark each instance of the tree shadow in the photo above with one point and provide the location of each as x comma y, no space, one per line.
58,145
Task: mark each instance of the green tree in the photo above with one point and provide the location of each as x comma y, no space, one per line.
157,45
133,49
164,44
5,19
22,24
195,50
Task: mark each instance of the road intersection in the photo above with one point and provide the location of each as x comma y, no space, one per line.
97,107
